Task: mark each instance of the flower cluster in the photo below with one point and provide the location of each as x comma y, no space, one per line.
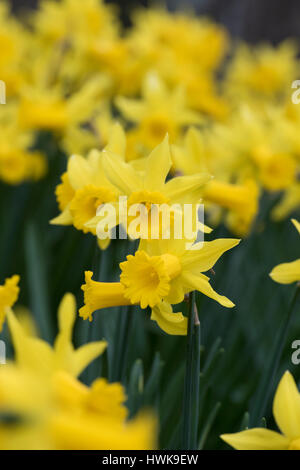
73,67
49,406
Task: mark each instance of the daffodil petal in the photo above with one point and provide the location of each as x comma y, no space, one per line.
208,254
157,166
286,407
133,109
79,171
83,356
66,320
286,273
32,353
64,218
256,439
297,224
67,314
190,186
122,175
171,323
117,140
201,283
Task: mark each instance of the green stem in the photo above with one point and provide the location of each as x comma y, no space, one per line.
37,277
266,384
208,425
121,346
94,329
196,377
123,326
191,380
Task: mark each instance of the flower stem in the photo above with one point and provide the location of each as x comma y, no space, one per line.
94,329
196,377
122,335
266,384
38,280
121,344
191,380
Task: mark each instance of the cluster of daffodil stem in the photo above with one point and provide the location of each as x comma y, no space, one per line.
192,379
169,112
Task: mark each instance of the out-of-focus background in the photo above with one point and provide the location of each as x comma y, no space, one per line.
251,20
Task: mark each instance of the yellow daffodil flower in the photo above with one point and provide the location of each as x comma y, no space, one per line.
263,71
162,35
37,355
240,199
253,145
50,407
160,111
287,273
13,46
159,274
286,411
66,414
67,19
48,109
84,186
17,162
146,185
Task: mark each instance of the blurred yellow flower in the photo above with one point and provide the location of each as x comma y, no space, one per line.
38,356
240,199
84,185
160,111
289,202
263,71
286,411
51,409
47,108
18,163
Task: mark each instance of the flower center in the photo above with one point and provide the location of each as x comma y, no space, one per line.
147,278
157,126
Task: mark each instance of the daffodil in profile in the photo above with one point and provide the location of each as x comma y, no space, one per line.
287,273
286,411
159,274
